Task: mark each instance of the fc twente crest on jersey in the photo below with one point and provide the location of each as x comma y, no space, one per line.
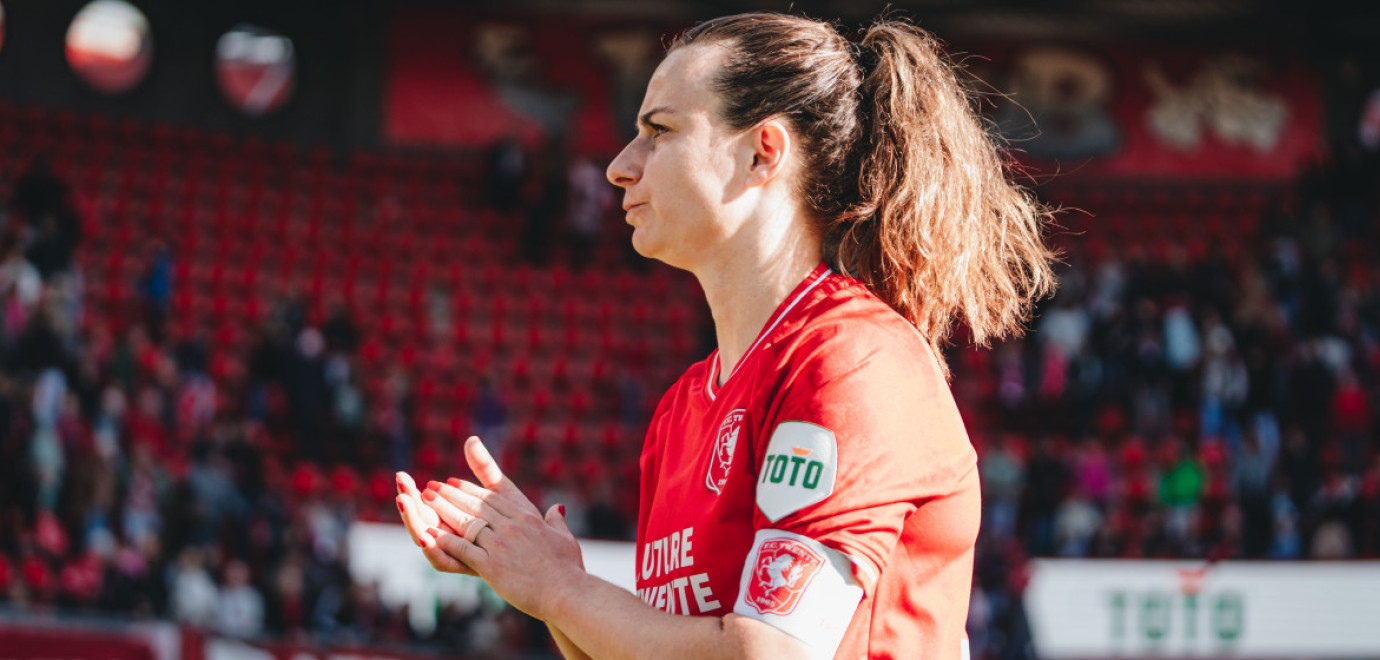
784,568
721,461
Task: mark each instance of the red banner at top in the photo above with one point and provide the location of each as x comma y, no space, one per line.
464,77
1155,112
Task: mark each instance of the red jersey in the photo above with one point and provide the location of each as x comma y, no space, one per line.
827,488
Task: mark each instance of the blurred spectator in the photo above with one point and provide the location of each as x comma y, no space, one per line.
1182,349
394,417
145,485
590,196
507,168
552,197
20,285
489,418
1181,488
1224,384
194,594
53,242
240,610
1287,541
1003,477
39,191
979,621
340,331
46,449
82,580
307,395
1251,471
603,519
155,287
1075,523
1064,329
349,412
1046,483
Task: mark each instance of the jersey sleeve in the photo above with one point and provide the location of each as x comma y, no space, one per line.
863,433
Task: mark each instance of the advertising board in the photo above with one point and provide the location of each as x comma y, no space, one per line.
1171,609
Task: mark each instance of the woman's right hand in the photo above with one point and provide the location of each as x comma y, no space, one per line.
417,517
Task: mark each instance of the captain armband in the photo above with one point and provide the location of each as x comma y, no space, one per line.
800,587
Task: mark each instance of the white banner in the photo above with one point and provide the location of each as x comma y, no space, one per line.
1173,609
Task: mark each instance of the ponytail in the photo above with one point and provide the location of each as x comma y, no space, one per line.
907,189
938,231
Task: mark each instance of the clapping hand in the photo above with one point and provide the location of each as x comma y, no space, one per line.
493,531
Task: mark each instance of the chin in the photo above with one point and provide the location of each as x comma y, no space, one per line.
644,245
648,247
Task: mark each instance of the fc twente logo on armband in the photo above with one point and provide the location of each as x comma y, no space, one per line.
722,459
784,568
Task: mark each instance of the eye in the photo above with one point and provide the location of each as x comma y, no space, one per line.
657,130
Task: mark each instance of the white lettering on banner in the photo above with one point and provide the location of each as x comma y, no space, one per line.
1222,97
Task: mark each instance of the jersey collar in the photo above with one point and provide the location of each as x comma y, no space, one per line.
814,279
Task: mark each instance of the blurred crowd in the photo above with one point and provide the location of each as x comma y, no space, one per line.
1173,402
1186,398
151,475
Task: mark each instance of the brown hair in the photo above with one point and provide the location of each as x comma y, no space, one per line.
909,192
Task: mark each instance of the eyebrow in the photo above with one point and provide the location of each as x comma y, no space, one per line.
646,118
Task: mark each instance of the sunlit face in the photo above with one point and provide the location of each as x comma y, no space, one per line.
682,172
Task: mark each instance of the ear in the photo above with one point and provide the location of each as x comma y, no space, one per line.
770,143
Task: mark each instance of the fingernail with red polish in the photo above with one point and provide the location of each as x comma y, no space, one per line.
453,481
429,495
435,533
400,506
433,485
561,508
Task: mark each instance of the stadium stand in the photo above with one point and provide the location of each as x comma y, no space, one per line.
227,303
217,349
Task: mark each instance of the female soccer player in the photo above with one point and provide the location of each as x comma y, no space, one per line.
808,490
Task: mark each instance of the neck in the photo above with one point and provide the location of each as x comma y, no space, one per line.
746,284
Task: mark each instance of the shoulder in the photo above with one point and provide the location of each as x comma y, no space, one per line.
683,388
849,333
694,376
860,381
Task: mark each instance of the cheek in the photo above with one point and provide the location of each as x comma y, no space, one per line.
689,187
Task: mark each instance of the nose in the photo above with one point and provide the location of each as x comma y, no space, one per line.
626,168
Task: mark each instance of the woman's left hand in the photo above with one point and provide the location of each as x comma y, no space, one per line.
526,557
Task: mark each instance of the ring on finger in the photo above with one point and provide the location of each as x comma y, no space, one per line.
474,528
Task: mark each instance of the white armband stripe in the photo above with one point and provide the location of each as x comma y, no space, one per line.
865,567
800,587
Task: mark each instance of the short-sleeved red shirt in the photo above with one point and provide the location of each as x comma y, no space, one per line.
827,488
